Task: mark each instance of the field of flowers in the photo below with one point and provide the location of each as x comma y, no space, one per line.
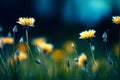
37,59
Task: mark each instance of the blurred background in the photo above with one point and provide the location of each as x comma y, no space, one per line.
57,26
61,20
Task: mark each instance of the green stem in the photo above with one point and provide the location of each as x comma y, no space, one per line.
69,77
43,66
92,54
107,54
2,49
14,42
119,47
28,53
75,54
27,43
3,63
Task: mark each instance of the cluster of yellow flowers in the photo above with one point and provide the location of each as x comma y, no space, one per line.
116,19
87,34
26,21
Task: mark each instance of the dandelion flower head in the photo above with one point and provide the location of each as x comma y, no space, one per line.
82,60
41,43
38,41
116,19
22,47
7,40
21,56
26,21
46,47
87,34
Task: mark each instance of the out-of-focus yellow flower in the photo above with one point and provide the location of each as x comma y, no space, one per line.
41,43
116,49
87,34
94,68
38,41
46,47
21,56
68,46
57,55
25,21
22,47
7,40
82,60
116,19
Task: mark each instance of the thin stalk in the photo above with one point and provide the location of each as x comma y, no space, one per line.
28,52
43,65
76,67
92,54
27,43
53,72
14,67
69,77
14,42
118,60
2,49
75,54
119,47
107,54
3,63
27,37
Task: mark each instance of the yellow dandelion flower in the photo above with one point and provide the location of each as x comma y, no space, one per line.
82,60
21,56
68,46
26,21
22,47
116,19
57,55
7,40
87,34
46,47
41,43
38,41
